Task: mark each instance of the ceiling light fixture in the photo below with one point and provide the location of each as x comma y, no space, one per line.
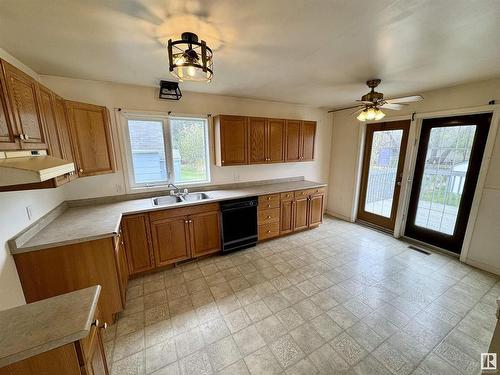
371,114
189,59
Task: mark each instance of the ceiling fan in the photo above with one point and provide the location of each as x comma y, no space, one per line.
372,102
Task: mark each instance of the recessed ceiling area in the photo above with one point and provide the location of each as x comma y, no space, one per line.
316,52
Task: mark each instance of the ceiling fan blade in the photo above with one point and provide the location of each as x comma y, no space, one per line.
406,99
365,102
341,109
393,106
356,111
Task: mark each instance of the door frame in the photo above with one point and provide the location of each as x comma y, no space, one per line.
384,224
413,144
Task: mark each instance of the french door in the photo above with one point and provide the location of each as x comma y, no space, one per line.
446,172
383,161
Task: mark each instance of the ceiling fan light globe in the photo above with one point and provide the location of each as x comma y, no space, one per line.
370,114
362,116
379,115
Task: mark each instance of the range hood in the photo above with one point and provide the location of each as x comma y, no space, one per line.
25,167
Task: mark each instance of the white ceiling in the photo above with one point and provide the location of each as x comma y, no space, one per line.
316,52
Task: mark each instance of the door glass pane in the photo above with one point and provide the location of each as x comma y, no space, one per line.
446,165
382,171
148,151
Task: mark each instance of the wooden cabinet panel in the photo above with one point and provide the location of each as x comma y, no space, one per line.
301,213
91,136
170,240
205,233
287,195
97,363
122,267
268,231
64,132
25,106
316,210
286,218
58,270
8,140
276,141
268,216
293,140
308,138
137,240
233,139
257,128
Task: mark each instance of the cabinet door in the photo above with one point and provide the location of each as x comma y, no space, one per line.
293,140
308,138
122,267
64,133
257,140
24,101
286,219
301,213
91,135
205,233
8,141
316,210
233,132
136,236
170,240
276,141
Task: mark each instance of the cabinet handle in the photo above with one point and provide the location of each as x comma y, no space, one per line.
268,206
190,221
186,222
96,323
80,170
268,231
104,326
269,217
268,198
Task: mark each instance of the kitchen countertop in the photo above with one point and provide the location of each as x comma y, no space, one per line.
92,222
44,325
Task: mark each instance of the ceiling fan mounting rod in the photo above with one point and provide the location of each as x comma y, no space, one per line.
372,83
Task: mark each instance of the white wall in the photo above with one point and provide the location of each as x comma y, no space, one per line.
484,248
13,218
141,98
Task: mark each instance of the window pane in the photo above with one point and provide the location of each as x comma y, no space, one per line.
189,149
148,151
445,169
382,171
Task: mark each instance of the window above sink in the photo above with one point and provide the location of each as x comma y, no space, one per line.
163,149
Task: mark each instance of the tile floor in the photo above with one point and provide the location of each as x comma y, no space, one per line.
337,299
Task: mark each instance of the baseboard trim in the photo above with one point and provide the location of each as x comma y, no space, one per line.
483,266
338,216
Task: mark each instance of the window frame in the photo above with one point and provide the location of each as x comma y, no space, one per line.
165,119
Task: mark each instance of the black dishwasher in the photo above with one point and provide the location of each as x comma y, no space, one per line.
239,223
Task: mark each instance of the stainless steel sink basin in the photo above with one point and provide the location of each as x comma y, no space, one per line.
166,200
192,197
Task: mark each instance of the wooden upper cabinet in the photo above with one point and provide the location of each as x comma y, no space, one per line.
231,140
293,140
308,139
91,136
276,141
47,106
137,241
24,99
64,132
257,145
204,230
8,141
170,240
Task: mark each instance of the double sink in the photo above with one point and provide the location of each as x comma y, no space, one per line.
173,199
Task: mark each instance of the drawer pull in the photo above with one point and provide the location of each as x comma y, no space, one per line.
268,231
104,326
268,198
268,205
96,323
269,217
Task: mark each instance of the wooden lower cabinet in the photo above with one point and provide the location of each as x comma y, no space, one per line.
137,242
316,203
286,219
170,240
58,270
204,229
301,213
122,267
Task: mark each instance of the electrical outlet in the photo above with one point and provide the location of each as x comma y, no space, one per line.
236,177
29,212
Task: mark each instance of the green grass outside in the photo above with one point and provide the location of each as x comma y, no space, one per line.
190,173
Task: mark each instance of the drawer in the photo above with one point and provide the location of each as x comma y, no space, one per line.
267,204
270,215
269,198
269,230
306,192
287,196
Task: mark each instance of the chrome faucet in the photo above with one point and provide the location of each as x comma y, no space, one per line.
177,193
